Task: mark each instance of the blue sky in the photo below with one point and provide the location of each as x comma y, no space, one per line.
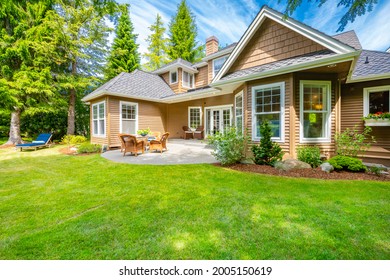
228,19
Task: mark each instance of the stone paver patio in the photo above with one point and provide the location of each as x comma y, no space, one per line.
179,152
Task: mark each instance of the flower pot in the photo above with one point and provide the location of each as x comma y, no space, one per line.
377,122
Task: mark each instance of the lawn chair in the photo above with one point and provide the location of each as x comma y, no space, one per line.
43,140
159,145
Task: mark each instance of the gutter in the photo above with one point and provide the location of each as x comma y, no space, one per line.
368,78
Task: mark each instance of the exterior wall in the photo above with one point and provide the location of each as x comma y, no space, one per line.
201,78
177,115
273,42
287,79
94,139
352,114
176,87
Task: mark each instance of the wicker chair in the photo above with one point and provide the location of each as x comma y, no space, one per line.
156,134
188,133
159,145
199,133
131,144
123,138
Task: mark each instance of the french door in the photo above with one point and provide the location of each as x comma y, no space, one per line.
218,119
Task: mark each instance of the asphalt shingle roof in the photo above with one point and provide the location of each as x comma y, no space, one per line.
350,38
378,63
278,64
136,84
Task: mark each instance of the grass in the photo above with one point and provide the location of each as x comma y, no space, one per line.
54,206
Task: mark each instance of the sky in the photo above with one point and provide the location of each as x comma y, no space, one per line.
228,19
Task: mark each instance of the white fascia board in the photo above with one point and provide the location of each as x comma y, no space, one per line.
117,94
191,96
316,36
174,67
291,68
368,78
200,64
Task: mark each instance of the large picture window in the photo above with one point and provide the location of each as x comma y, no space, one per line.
268,104
315,111
99,119
376,100
188,80
239,112
129,113
194,117
218,63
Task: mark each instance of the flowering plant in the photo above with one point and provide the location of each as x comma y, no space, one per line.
378,116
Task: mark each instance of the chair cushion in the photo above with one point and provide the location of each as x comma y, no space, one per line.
38,142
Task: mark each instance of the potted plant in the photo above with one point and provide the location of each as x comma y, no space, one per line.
377,119
144,132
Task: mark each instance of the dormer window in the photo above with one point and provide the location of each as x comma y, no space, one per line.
173,77
218,63
188,80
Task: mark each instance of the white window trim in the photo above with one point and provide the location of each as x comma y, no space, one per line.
170,77
328,123
98,119
182,79
200,114
366,97
120,114
219,107
280,139
222,64
241,93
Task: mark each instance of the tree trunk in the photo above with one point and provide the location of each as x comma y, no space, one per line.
14,130
71,112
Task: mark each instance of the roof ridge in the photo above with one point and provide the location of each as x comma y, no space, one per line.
352,30
113,81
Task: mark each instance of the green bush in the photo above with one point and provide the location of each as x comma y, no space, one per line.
310,155
88,148
229,147
73,139
347,163
350,142
267,152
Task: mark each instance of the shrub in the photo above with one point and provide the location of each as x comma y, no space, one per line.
87,148
144,132
267,152
73,139
351,142
310,155
347,163
229,147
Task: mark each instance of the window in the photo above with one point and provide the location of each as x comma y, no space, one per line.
188,80
268,104
173,77
129,117
99,119
376,99
239,112
315,111
194,117
218,63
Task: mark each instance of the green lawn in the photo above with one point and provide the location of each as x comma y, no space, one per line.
54,206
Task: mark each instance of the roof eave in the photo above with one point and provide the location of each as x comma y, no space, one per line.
368,78
192,96
118,94
174,67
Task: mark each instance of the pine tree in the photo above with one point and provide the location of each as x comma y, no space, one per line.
124,55
182,34
157,48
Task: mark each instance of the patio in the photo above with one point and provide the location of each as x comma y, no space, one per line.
179,152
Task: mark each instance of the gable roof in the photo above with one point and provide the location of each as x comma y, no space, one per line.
349,38
319,37
186,65
137,84
371,65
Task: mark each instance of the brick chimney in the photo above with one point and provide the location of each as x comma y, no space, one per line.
211,45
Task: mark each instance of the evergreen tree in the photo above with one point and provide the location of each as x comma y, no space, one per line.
157,46
182,34
267,152
124,55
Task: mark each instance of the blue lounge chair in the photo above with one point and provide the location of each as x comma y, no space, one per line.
43,140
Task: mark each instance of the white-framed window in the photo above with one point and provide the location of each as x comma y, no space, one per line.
218,63
173,77
99,119
128,117
268,104
188,80
194,117
376,100
315,109
239,106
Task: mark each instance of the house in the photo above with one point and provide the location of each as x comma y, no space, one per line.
308,84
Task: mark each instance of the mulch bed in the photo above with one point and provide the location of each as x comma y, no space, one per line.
316,173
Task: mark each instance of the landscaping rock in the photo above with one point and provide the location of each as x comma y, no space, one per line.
327,167
375,165
290,164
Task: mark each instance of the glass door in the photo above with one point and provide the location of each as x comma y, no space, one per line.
218,119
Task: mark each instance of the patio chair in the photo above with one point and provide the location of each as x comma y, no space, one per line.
156,135
159,145
123,137
199,133
132,144
188,133
43,140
